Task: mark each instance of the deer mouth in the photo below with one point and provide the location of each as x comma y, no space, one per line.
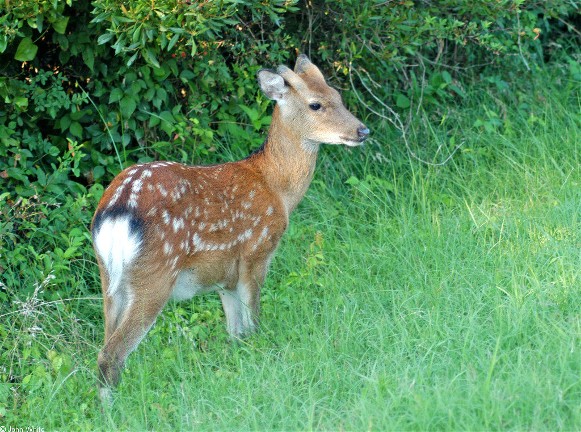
353,142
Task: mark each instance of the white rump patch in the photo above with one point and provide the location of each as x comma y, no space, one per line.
117,247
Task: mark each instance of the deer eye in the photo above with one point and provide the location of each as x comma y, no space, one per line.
315,106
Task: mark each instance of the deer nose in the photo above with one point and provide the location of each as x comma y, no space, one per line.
362,132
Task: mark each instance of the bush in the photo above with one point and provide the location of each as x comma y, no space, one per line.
423,52
90,88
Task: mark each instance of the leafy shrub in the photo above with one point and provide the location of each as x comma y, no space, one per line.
157,83
419,53
90,88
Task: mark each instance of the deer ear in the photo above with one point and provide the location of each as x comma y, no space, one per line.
302,64
304,67
272,84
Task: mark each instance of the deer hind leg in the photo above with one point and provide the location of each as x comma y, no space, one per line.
135,314
114,305
242,305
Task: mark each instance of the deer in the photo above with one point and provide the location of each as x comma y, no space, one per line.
164,230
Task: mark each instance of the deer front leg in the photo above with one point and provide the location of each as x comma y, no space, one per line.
242,305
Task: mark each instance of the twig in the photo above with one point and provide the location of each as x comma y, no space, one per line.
518,40
421,86
569,26
395,119
106,126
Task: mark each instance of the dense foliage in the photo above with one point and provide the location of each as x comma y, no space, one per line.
88,89
91,88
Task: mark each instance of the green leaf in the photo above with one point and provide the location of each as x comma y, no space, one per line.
104,38
160,97
39,22
167,116
16,173
76,129
187,75
116,95
447,77
41,177
352,181
136,34
26,50
250,112
150,57
458,90
65,122
98,172
89,57
132,59
53,151
154,120
3,43
402,101
148,95
60,25
21,102
68,253
173,41
127,105
77,115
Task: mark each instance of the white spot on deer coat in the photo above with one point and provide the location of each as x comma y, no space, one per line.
137,185
178,224
161,190
198,242
167,248
166,217
244,236
115,196
132,200
261,238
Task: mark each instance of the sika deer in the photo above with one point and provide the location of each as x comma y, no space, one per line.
165,230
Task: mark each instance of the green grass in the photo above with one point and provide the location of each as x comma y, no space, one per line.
403,297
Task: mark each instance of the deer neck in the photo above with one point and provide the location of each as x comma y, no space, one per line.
287,161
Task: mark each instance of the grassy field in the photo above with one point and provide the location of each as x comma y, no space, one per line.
404,296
